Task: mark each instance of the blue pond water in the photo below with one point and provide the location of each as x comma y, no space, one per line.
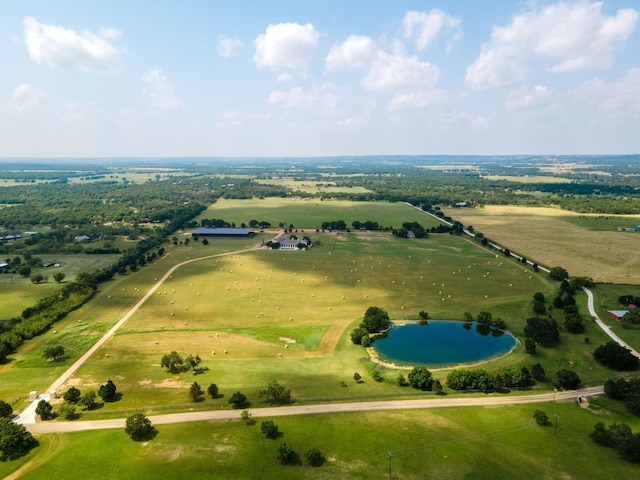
441,343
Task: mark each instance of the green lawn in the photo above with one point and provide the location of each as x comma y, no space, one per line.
478,443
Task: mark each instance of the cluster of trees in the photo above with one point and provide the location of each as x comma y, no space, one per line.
334,225
38,319
626,390
631,318
173,362
418,230
544,331
15,440
366,225
480,380
486,322
616,357
620,437
276,393
375,320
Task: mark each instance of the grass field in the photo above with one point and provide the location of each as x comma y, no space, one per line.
546,236
285,316
312,187
478,443
528,178
309,214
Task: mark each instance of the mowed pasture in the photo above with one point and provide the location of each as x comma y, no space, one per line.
453,443
544,235
309,214
269,315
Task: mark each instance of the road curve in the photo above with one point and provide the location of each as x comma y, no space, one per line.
606,329
229,415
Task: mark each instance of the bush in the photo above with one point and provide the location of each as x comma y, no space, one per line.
541,417
420,378
269,429
314,457
568,379
139,427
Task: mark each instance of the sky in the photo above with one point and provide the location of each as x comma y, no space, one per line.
220,78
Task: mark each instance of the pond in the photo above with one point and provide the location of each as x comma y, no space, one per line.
442,343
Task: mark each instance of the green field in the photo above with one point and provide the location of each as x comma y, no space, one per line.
604,223
261,315
478,443
309,214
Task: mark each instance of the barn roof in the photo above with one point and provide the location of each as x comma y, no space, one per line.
222,231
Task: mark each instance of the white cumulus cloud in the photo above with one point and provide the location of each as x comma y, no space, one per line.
227,46
417,100
424,27
529,98
620,98
355,52
160,91
288,45
396,71
59,47
322,99
567,36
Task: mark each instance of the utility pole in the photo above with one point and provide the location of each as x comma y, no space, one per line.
390,456
555,428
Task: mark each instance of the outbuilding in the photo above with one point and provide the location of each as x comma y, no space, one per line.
223,232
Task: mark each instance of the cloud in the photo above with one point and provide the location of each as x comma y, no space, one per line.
568,36
323,99
28,103
417,100
396,71
235,119
160,91
288,45
529,98
425,27
59,47
618,99
227,46
357,51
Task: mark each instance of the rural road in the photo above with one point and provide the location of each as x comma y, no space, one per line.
601,324
228,415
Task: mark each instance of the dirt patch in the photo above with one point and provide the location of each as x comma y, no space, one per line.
170,383
145,382
287,340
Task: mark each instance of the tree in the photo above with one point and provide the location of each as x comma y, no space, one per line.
314,457
357,377
44,409
24,270
538,372
139,427
193,361
108,391
375,320
558,273
420,378
58,277
72,395
529,346
276,393
195,392
541,417
568,379
6,410
366,340
539,308
542,330
285,453
539,297
212,390
616,356
53,352
172,362
424,315
357,334
88,400
247,417
238,400
67,410
15,440
37,278
269,429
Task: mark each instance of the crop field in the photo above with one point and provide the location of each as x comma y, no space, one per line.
544,235
309,214
479,443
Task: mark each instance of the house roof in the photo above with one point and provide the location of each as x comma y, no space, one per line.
618,313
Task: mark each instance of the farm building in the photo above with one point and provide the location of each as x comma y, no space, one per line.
289,243
617,314
223,232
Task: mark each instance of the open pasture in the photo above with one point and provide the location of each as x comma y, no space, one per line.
311,186
309,214
479,443
545,236
286,315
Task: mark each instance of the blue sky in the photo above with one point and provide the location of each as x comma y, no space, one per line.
301,78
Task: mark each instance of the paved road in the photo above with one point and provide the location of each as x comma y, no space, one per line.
229,415
28,415
606,329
